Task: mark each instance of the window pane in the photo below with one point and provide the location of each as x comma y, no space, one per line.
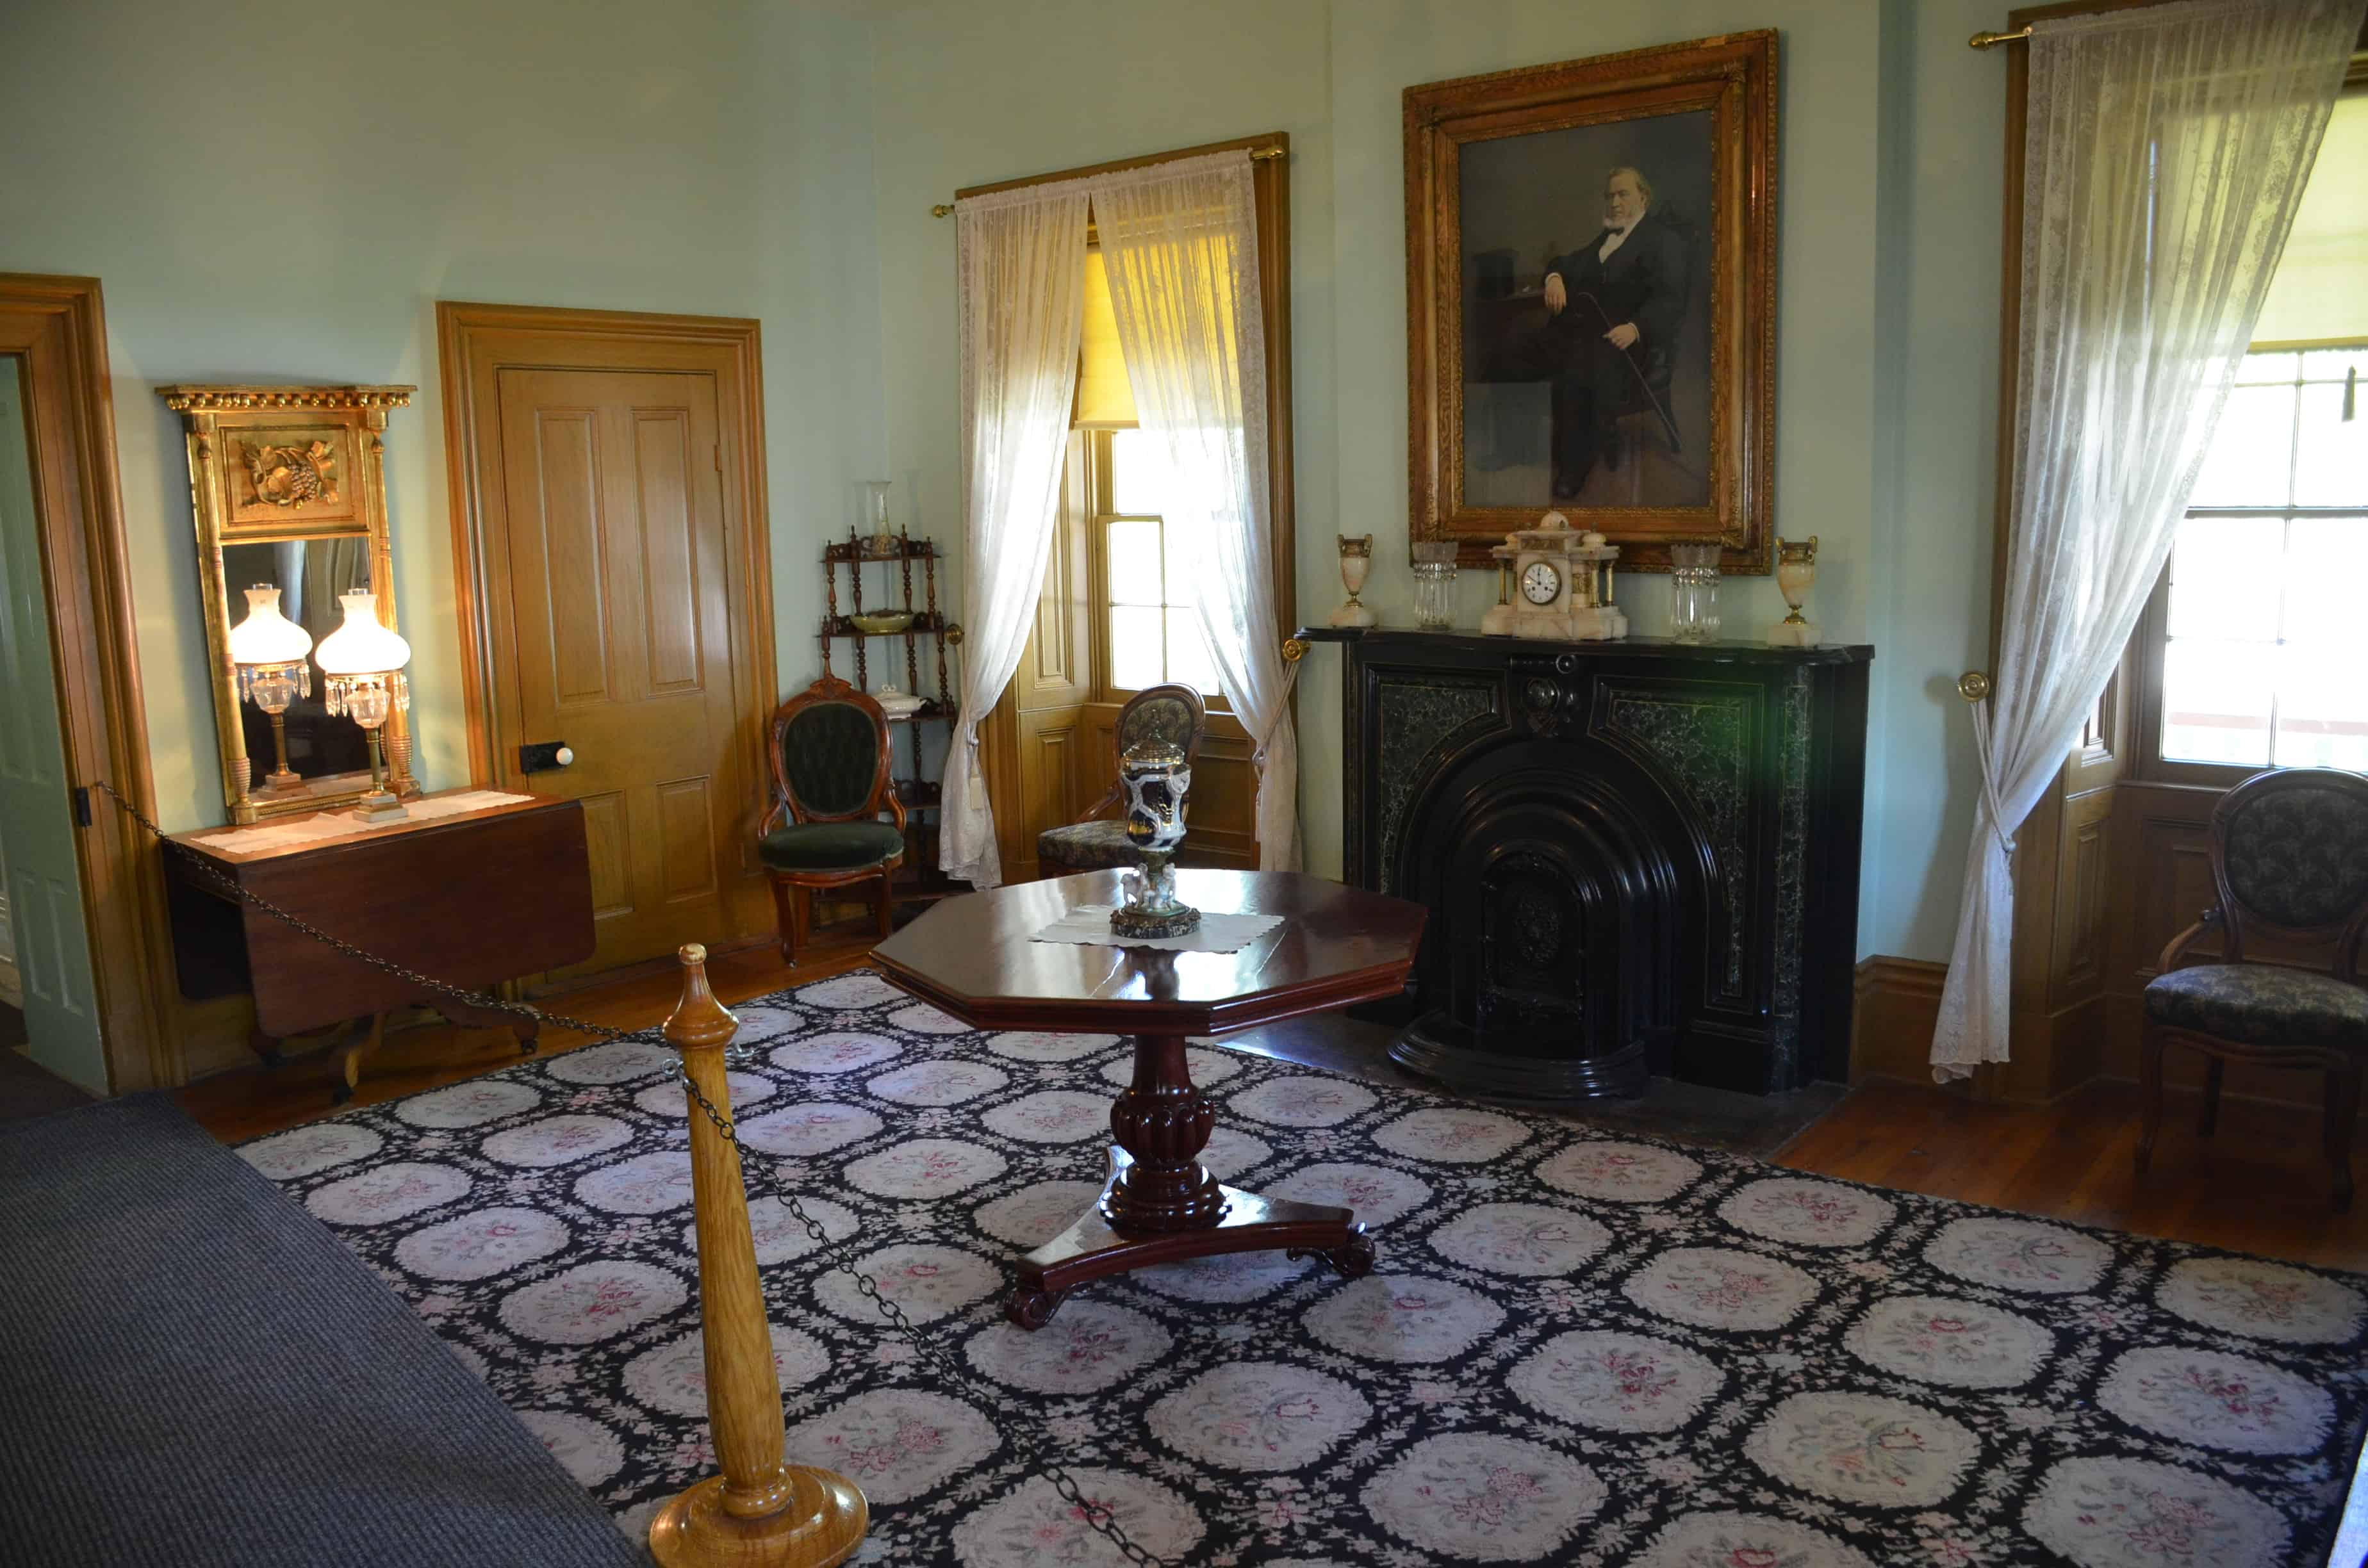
1183,565
1134,561
1138,472
2322,710
2334,364
2215,701
2327,561
2265,367
2224,577
1187,653
2331,466
2251,450
1135,659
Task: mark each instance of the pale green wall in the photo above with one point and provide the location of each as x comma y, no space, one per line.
276,192
1887,280
780,161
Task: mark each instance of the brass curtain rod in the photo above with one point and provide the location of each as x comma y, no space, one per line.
945,209
1991,40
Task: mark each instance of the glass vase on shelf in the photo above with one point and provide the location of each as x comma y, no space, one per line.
882,542
1694,590
1434,584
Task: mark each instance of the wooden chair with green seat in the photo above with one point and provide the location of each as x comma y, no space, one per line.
831,782
2288,862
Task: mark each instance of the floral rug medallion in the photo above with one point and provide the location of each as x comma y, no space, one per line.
1576,1349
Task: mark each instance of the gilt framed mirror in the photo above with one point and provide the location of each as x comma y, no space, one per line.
288,484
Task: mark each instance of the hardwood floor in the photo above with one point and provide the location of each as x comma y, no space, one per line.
250,1102
2259,1186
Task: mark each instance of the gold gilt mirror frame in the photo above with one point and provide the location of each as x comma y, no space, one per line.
288,486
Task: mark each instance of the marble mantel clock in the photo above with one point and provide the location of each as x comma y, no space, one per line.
1562,583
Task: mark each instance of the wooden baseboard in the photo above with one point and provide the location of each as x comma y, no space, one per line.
1895,1003
216,1036
1898,1004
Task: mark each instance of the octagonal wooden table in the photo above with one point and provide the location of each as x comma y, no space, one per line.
974,956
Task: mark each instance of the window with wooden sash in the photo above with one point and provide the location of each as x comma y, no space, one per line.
1146,629
1117,612
2253,651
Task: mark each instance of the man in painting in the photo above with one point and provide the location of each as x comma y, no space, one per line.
1613,309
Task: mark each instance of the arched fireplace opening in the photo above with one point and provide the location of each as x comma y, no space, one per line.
1561,883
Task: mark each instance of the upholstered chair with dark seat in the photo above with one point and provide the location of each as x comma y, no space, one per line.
1171,713
830,783
2289,861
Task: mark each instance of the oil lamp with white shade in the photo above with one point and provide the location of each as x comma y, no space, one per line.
363,661
268,651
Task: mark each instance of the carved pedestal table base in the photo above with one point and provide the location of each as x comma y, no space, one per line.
1325,946
1161,1205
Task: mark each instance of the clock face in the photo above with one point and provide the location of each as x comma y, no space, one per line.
1542,583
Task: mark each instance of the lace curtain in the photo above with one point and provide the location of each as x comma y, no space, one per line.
1180,242
1022,268
2166,152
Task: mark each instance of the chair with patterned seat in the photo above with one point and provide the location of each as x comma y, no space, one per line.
831,781
2288,862
1171,713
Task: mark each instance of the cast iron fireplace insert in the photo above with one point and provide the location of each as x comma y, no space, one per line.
1641,858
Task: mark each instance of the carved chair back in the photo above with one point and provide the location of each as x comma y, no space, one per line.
2289,860
831,754
1171,713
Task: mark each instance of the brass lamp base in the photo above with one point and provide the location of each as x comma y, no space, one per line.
821,1524
379,806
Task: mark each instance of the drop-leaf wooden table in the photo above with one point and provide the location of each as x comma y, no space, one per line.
974,957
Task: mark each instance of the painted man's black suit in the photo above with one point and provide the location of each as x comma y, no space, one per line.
1643,282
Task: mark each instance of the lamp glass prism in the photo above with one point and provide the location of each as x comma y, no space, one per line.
363,663
267,650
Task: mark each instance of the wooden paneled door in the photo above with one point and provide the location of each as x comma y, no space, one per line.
616,618
40,871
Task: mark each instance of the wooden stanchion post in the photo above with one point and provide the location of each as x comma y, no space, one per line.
761,1510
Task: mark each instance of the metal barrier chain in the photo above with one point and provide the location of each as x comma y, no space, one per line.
1097,1516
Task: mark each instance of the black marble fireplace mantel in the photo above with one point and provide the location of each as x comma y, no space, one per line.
1642,857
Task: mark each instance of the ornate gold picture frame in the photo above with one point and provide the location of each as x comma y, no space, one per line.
1592,301
288,487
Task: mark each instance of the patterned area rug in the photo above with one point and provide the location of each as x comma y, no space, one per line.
1578,1348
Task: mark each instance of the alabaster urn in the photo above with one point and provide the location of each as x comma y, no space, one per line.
1797,568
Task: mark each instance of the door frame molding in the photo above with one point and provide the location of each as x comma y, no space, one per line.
57,325
474,342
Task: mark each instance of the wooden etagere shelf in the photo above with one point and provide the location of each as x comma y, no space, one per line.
920,881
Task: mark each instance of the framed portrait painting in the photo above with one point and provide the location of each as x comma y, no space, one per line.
1592,301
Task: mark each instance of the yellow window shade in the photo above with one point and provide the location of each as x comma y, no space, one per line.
1105,400
2321,287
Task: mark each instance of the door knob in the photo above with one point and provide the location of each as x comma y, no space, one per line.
564,756
545,755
